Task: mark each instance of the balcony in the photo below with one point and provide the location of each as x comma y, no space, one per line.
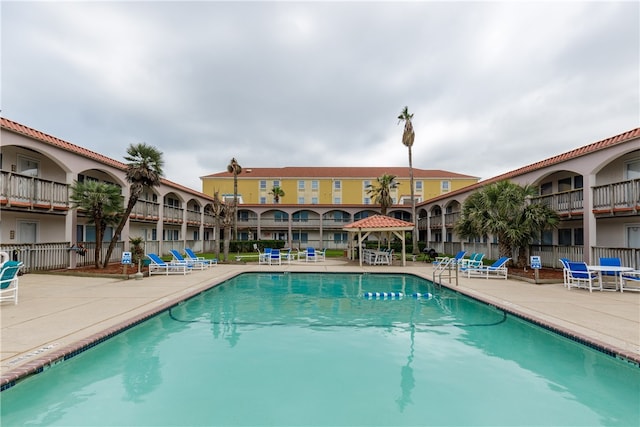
145,211
568,204
617,199
21,192
450,219
173,215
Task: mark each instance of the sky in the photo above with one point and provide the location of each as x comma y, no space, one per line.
493,86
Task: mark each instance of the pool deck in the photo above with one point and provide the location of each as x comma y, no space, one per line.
58,315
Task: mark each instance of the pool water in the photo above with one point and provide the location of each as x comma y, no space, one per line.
313,349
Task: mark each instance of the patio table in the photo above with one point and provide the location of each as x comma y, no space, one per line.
609,268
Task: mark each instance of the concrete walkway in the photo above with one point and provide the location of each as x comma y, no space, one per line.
59,315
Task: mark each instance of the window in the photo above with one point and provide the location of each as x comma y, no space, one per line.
339,237
564,237
276,183
314,200
546,188
280,216
28,166
301,200
300,237
337,200
337,185
301,216
578,236
243,216
444,186
263,185
263,200
366,184
547,237
301,185
633,169
367,201
315,185
564,184
578,182
418,185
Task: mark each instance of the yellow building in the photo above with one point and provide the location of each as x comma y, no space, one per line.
331,185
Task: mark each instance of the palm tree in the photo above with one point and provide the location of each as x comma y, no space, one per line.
143,170
381,192
408,135
504,210
276,192
227,222
102,202
235,168
217,212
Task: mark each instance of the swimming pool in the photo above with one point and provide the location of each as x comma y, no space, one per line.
314,349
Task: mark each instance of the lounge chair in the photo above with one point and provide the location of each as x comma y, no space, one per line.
610,262
475,260
310,255
190,255
565,269
498,269
179,259
9,281
630,281
274,257
288,256
579,276
158,266
450,260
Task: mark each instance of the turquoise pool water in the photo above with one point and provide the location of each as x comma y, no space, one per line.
311,349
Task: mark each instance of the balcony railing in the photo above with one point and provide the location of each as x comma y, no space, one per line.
173,215
145,211
617,198
28,192
567,203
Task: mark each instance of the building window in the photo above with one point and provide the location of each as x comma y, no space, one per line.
445,186
301,185
263,185
28,166
546,188
418,185
564,185
339,237
564,237
337,200
280,216
301,200
315,185
337,185
276,183
263,200
366,184
300,237
633,169
367,201
578,236
314,200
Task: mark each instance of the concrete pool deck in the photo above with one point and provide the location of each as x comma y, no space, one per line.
58,315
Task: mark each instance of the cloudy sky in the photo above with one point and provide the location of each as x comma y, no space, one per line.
493,85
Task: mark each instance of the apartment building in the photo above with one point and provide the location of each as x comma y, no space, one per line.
319,201
594,188
37,220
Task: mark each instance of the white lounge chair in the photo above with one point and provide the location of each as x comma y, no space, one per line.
498,269
179,259
190,255
158,266
630,281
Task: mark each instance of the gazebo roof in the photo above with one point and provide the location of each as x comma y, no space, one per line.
379,223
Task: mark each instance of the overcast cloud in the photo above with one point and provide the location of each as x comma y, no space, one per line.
493,85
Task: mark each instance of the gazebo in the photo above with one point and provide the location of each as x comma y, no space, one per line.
384,226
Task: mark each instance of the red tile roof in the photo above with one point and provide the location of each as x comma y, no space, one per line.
380,221
56,142
578,152
338,172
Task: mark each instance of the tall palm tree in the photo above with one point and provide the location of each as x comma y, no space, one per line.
102,202
408,135
235,168
277,192
227,222
381,192
503,209
143,170
217,211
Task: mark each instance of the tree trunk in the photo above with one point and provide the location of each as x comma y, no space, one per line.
414,238
227,239
133,199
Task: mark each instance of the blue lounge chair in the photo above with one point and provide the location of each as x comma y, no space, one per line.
158,266
179,259
9,281
498,269
310,254
450,261
579,276
274,257
565,269
191,256
630,281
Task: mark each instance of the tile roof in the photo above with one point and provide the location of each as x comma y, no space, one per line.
380,221
569,155
339,172
15,127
